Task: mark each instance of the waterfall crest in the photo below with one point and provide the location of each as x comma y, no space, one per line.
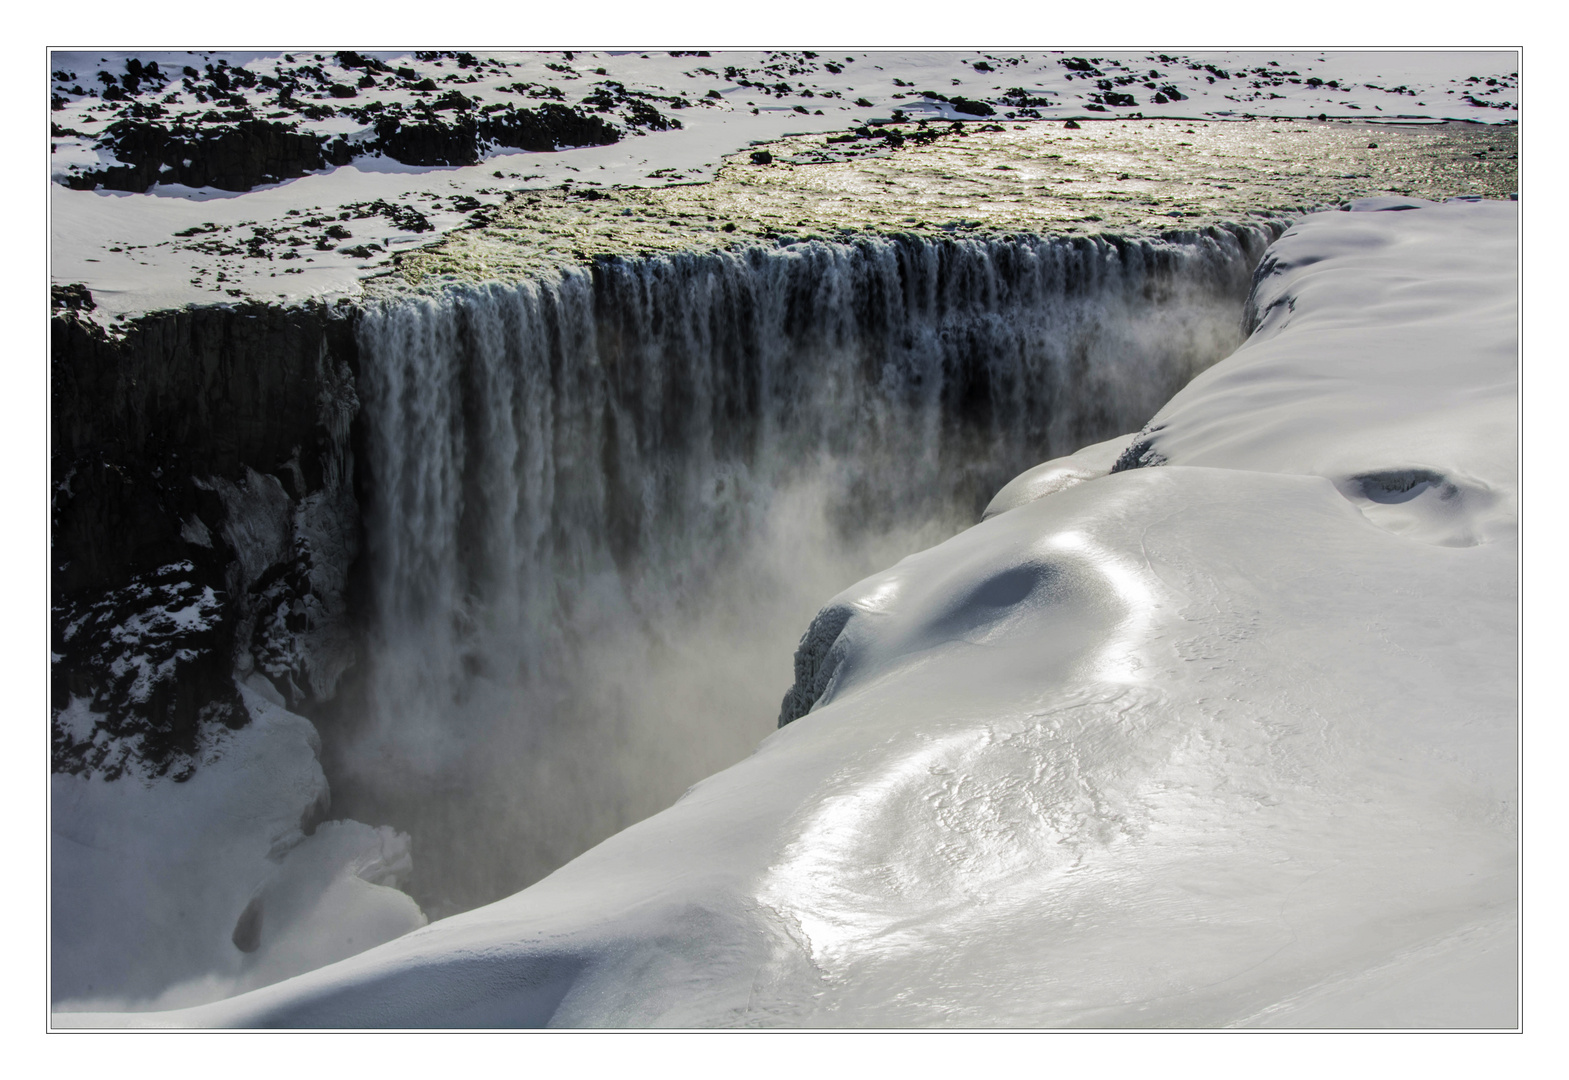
600,509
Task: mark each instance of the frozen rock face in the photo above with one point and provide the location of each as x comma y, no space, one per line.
204,522
205,528
1221,742
142,668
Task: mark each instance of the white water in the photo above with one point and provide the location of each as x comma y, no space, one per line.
601,510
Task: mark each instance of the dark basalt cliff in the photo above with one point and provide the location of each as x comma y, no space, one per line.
203,521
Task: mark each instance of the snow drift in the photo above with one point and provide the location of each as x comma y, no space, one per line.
1222,732
174,894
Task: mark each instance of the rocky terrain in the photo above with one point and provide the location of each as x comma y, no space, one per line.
232,128
235,126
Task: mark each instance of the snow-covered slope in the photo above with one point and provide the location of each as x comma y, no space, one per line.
1225,735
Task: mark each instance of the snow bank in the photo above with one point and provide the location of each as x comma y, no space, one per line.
1225,739
1052,476
169,894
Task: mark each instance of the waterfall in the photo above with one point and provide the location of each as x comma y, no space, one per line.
600,509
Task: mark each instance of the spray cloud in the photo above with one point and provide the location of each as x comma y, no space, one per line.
602,509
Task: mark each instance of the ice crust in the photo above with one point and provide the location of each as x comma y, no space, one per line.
1228,741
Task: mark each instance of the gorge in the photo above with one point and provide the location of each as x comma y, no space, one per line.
515,521
370,611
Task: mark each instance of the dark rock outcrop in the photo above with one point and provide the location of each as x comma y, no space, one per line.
817,661
230,157
71,298
1141,452
204,523
971,107
464,137
142,667
244,153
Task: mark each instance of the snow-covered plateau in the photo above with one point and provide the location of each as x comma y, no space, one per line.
449,450
1212,725
202,177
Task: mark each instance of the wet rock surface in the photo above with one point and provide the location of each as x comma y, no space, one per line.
950,178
